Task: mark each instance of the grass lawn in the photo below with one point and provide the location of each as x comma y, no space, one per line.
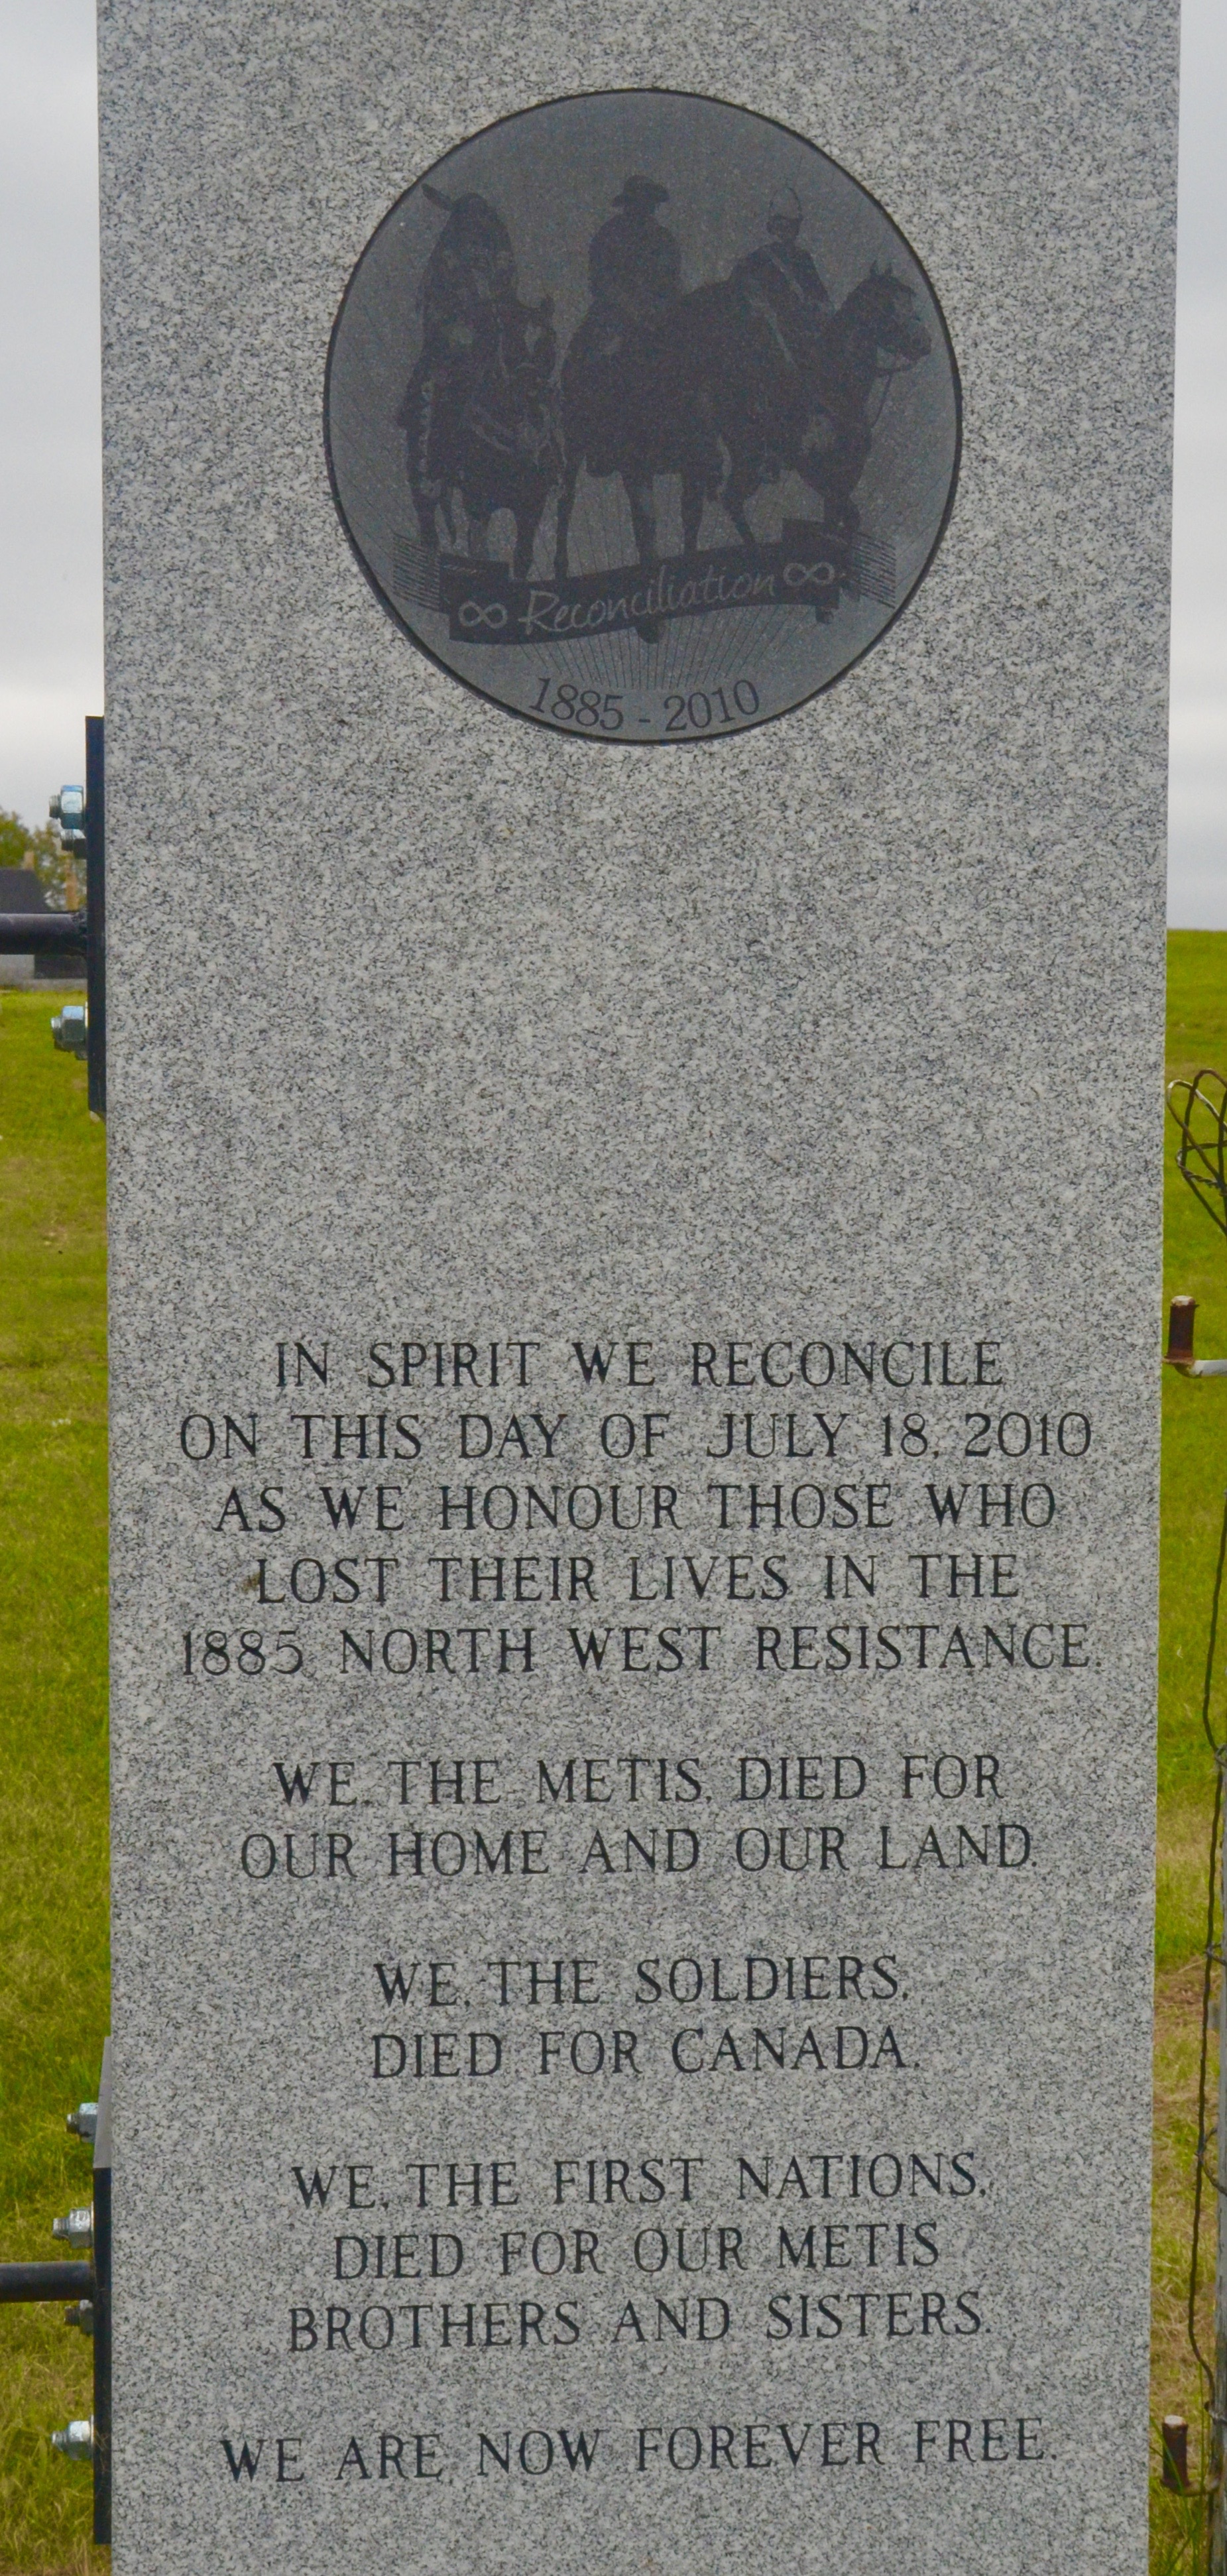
1194,1482
53,1779
53,1944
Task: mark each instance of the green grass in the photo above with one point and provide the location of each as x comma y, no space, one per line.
53,1958
1194,1483
1194,1466
53,1781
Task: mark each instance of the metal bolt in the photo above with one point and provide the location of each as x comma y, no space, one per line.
81,2314
83,2122
68,810
76,2440
77,2229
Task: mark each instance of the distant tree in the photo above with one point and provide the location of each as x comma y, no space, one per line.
60,871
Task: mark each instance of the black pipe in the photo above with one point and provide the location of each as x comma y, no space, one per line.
22,933
46,2281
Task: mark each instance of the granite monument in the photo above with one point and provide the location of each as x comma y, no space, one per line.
637,571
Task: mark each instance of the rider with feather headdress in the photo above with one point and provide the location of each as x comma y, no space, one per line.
479,341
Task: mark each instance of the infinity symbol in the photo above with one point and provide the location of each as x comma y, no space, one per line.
473,614
817,576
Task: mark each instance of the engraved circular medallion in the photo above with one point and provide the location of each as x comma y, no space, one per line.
642,416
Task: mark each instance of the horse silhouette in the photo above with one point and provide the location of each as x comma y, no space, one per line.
729,404
631,414
493,440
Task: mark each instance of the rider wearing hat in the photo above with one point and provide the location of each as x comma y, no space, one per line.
634,264
779,281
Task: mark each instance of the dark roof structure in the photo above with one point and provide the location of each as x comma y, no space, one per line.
21,891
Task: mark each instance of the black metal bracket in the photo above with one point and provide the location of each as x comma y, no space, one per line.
96,910
91,2283
102,2292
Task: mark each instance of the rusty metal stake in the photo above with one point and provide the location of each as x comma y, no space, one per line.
1176,2454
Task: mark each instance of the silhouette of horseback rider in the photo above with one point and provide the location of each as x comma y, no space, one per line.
765,333
469,273
614,398
476,411
779,284
634,268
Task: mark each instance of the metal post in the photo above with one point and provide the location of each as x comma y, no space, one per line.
102,2306
96,912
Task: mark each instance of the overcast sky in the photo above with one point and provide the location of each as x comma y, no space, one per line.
50,534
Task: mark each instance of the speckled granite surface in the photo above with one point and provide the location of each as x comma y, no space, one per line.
815,1075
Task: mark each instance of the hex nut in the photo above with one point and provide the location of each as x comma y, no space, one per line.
75,2441
77,2229
70,1032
